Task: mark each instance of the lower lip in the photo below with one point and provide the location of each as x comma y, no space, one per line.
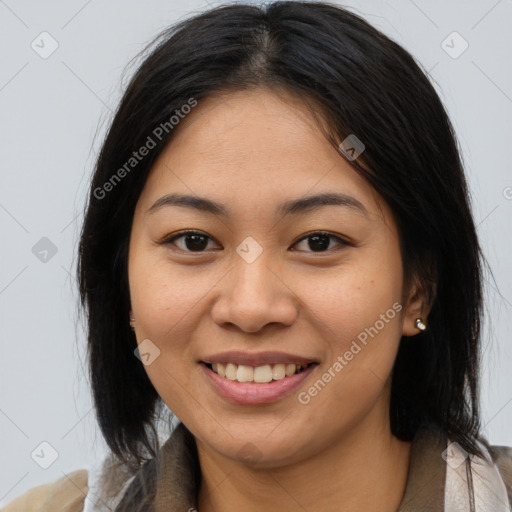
250,393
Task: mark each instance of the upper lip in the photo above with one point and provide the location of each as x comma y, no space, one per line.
257,358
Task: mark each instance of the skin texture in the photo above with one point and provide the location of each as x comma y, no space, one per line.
252,150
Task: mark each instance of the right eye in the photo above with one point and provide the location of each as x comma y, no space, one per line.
193,241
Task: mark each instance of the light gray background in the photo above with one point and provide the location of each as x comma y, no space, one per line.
53,115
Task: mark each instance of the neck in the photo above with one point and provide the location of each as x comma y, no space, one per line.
365,470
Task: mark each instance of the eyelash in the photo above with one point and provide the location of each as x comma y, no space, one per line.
171,240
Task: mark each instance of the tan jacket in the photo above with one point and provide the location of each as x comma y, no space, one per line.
66,494
441,479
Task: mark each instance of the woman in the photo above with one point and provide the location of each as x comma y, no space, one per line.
279,248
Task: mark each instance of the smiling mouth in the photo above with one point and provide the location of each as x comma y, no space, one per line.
257,374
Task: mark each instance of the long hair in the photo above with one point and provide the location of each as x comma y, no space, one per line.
359,82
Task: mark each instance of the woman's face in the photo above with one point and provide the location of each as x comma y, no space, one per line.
264,284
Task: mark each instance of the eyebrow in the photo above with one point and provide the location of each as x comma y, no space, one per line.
291,207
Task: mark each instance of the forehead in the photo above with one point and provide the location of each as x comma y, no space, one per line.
253,147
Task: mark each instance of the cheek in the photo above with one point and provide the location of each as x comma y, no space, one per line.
165,301
165,295
348,300
169,303
358,313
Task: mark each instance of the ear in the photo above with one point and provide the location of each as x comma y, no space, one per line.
418,301
130,321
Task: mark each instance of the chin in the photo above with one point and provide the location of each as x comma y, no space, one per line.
261,451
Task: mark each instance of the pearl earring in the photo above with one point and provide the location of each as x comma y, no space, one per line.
132,323
420,324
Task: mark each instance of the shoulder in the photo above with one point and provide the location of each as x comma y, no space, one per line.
66,494
502,457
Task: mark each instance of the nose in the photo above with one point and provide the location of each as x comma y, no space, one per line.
253,295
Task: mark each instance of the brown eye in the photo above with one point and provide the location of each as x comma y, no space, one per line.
192,241
320,241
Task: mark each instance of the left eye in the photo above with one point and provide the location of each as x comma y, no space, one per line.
321,241
195,241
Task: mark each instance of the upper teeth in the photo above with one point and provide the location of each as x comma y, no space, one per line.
265,373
